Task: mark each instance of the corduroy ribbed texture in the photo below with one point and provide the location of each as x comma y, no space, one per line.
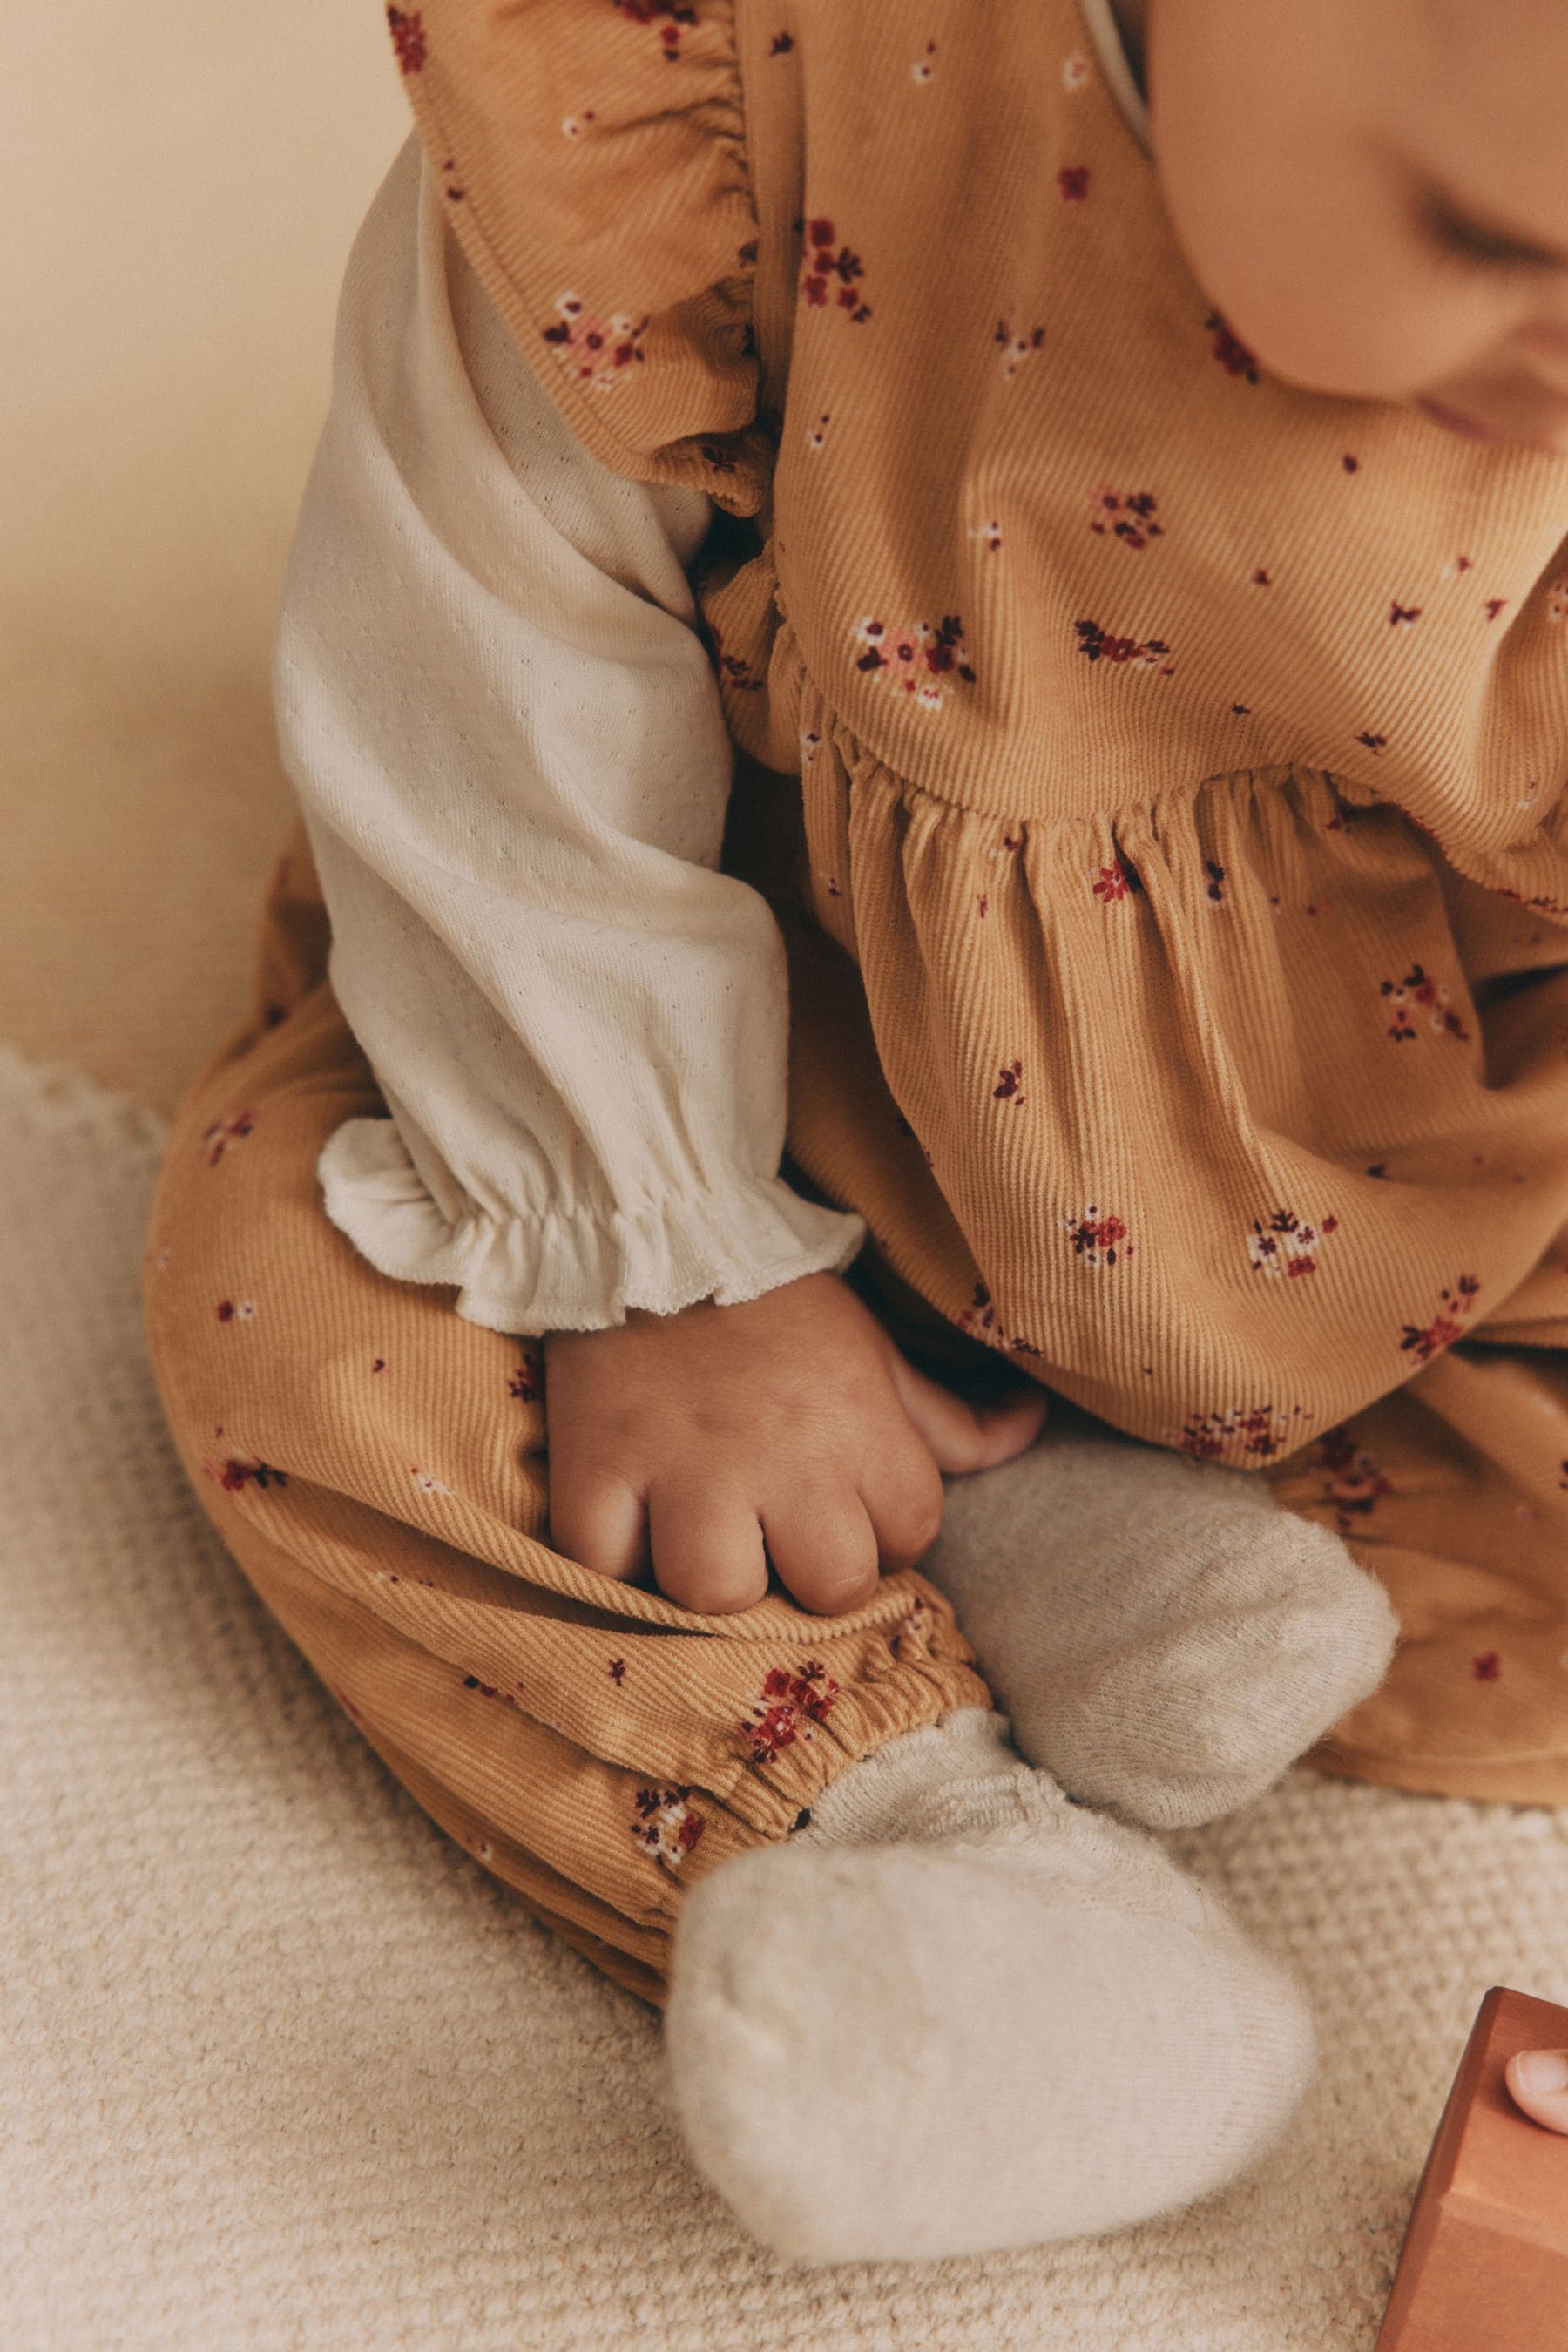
1181,763
375,1464
284,2068
1147,711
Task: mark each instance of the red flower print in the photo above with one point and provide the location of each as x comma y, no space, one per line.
235,1472
679,13
225,1131
979,1319
1353,1482
1447,1325
379,1365
1075,70
732,669
667,1824
1285,1245
785,1709
1373,742
1214,890
980,1315
1556,603
1487,1667
1010,1084
1257,1431
820,265
407,39
1017,348
912,1637
527,1383
1401,616
1261,578
1126,515
922,69
597,351
230,1311
427,1482
1418,989
1350,465
1232,354
1546,905
488,1690
1118,880
1098,1240
617,1671
1494,607
781,44
922,660
1073,182
1096,645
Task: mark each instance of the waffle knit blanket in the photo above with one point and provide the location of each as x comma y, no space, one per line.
281,2068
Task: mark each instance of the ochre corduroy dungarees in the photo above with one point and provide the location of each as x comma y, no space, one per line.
1158,775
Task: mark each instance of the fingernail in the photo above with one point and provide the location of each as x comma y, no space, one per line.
1542,2072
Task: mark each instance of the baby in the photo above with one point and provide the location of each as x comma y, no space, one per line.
1169,932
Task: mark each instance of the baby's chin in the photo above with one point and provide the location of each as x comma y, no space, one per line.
1492,415
1468,420
1452,421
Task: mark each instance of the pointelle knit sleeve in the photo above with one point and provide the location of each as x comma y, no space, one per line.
505,739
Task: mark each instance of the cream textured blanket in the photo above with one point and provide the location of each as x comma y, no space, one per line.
279,2067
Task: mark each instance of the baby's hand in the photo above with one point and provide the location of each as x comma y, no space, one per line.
688,1442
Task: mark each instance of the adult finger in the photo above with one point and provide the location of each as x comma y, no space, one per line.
1538,2082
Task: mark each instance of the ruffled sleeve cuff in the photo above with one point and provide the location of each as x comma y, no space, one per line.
593,165
556,1271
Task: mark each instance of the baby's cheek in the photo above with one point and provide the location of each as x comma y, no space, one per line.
1290,215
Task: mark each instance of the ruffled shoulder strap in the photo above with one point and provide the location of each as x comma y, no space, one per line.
593,156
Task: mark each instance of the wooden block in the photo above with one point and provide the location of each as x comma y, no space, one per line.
1484,2263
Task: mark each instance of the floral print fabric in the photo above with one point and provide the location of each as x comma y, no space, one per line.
593,1745
1182,757
1155,723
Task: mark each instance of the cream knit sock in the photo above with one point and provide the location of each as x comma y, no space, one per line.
1165,1638
958,2014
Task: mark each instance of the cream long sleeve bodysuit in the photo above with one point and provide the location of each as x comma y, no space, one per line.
510,757
510,754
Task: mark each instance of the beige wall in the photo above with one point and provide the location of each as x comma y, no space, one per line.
181,182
